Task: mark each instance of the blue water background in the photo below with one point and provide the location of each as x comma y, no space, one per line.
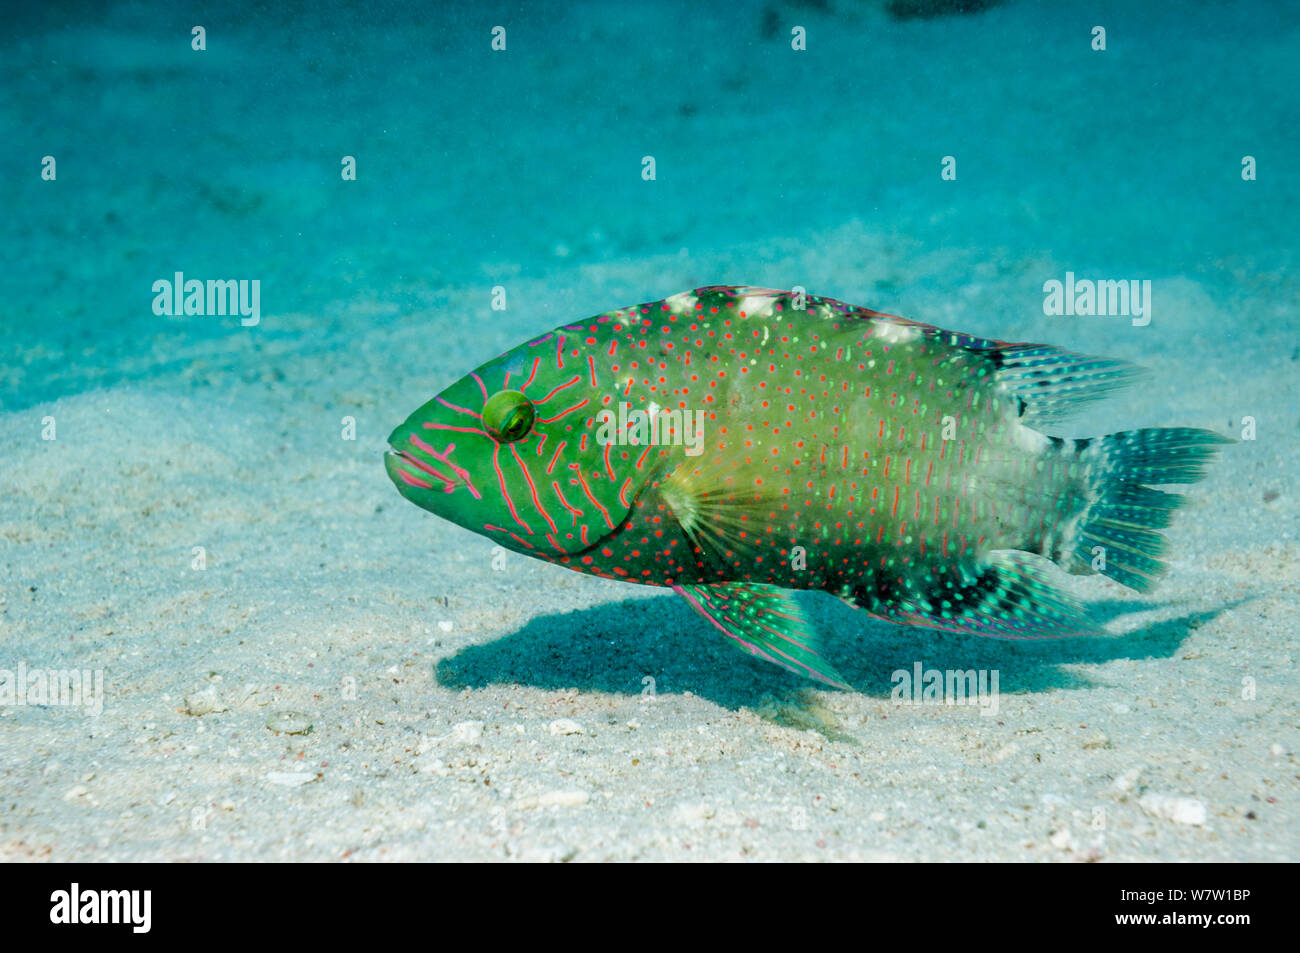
477,168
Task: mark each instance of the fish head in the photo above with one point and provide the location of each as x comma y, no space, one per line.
520,451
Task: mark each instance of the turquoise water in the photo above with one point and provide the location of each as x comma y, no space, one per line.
478,167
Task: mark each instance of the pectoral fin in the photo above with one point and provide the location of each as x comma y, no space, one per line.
764,621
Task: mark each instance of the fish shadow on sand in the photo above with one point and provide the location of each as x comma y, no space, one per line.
615,647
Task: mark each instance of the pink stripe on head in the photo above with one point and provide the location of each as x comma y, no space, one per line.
413,481
432,426
459,410
536,361
532,488
522,540
505,491
444,457
550,466
481,385
559,387
582,481
565,413
449,484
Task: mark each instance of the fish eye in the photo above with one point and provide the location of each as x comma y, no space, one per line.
508,416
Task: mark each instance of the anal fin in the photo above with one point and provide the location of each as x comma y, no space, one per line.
1006,596
764,621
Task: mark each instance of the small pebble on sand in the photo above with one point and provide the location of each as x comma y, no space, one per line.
289,723
566,726
466,733
553,799
1180,810
290,779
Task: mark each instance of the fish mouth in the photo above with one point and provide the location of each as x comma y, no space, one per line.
408,470
430,475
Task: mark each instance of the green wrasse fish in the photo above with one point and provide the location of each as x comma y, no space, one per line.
736,443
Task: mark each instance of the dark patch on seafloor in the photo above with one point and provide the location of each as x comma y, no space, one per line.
613,647
930,9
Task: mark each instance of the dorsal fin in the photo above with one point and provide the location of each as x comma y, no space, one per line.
1048,384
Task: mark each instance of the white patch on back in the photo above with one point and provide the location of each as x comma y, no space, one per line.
756,306
682,302
892,333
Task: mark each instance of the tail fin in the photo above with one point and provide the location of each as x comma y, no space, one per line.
1124,513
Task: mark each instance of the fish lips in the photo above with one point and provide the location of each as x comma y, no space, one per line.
433,485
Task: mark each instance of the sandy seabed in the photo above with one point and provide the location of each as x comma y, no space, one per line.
348,677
